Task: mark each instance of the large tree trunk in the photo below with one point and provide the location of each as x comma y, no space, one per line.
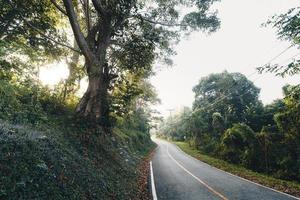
94,105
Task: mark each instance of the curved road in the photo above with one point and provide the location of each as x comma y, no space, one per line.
178,176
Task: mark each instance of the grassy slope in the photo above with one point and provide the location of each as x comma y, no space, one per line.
281,185
55,164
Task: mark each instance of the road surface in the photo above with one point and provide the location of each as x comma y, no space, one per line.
178,176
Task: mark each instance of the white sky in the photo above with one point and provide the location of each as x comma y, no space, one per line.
53,73
240,45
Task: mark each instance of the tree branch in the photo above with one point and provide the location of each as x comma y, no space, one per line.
46,36
161,23
88,20
58,7
49,38
98,6
82,43
86,10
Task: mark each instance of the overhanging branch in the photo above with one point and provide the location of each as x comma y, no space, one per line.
82,43
162,23
58,7
49,38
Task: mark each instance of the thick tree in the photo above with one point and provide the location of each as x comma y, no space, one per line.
119,36
230,94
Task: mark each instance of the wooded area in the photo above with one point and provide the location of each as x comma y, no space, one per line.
229,121
115,44
57,143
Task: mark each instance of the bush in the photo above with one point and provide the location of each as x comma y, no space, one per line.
28,102
238,145
19,103
9,104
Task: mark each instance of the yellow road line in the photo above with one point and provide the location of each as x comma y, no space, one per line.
195,177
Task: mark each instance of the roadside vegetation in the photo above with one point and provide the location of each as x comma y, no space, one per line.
46,152
228,121
289,187
238,128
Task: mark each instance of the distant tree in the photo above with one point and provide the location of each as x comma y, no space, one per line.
230,94
255,117
288,122
272,148
267,117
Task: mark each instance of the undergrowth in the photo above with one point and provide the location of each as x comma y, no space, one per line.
69,164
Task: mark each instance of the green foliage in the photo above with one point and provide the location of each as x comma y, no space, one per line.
26,27
288,123
46,155
239,145
272,150
118,38
56,164
231,94
19,104
236,127
27,102
177,126
218,124
287,26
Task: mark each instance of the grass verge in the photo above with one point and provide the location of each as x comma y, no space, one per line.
289,187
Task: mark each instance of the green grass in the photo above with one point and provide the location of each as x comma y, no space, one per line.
289,187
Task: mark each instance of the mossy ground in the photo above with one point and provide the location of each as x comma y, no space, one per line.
66,163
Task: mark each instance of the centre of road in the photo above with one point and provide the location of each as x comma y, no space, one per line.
195,177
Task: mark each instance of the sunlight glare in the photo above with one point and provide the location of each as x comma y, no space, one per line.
53,73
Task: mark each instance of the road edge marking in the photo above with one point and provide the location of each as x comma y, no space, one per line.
195,177
258,184
154,196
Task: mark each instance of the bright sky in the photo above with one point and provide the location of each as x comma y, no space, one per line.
53,73
240,45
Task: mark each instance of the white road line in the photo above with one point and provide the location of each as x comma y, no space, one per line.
152,183
237,176
195,177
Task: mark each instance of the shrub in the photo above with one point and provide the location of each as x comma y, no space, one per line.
238,145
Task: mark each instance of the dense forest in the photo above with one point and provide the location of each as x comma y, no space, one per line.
228,121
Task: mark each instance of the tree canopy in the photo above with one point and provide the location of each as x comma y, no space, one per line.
119,37
230,94
228,121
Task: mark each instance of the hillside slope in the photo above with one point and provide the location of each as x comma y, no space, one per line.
55,164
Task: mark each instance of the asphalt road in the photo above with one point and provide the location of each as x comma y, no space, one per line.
177,176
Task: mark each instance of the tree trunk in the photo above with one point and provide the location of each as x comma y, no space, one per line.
94,105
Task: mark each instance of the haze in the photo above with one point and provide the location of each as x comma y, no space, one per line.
240,45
